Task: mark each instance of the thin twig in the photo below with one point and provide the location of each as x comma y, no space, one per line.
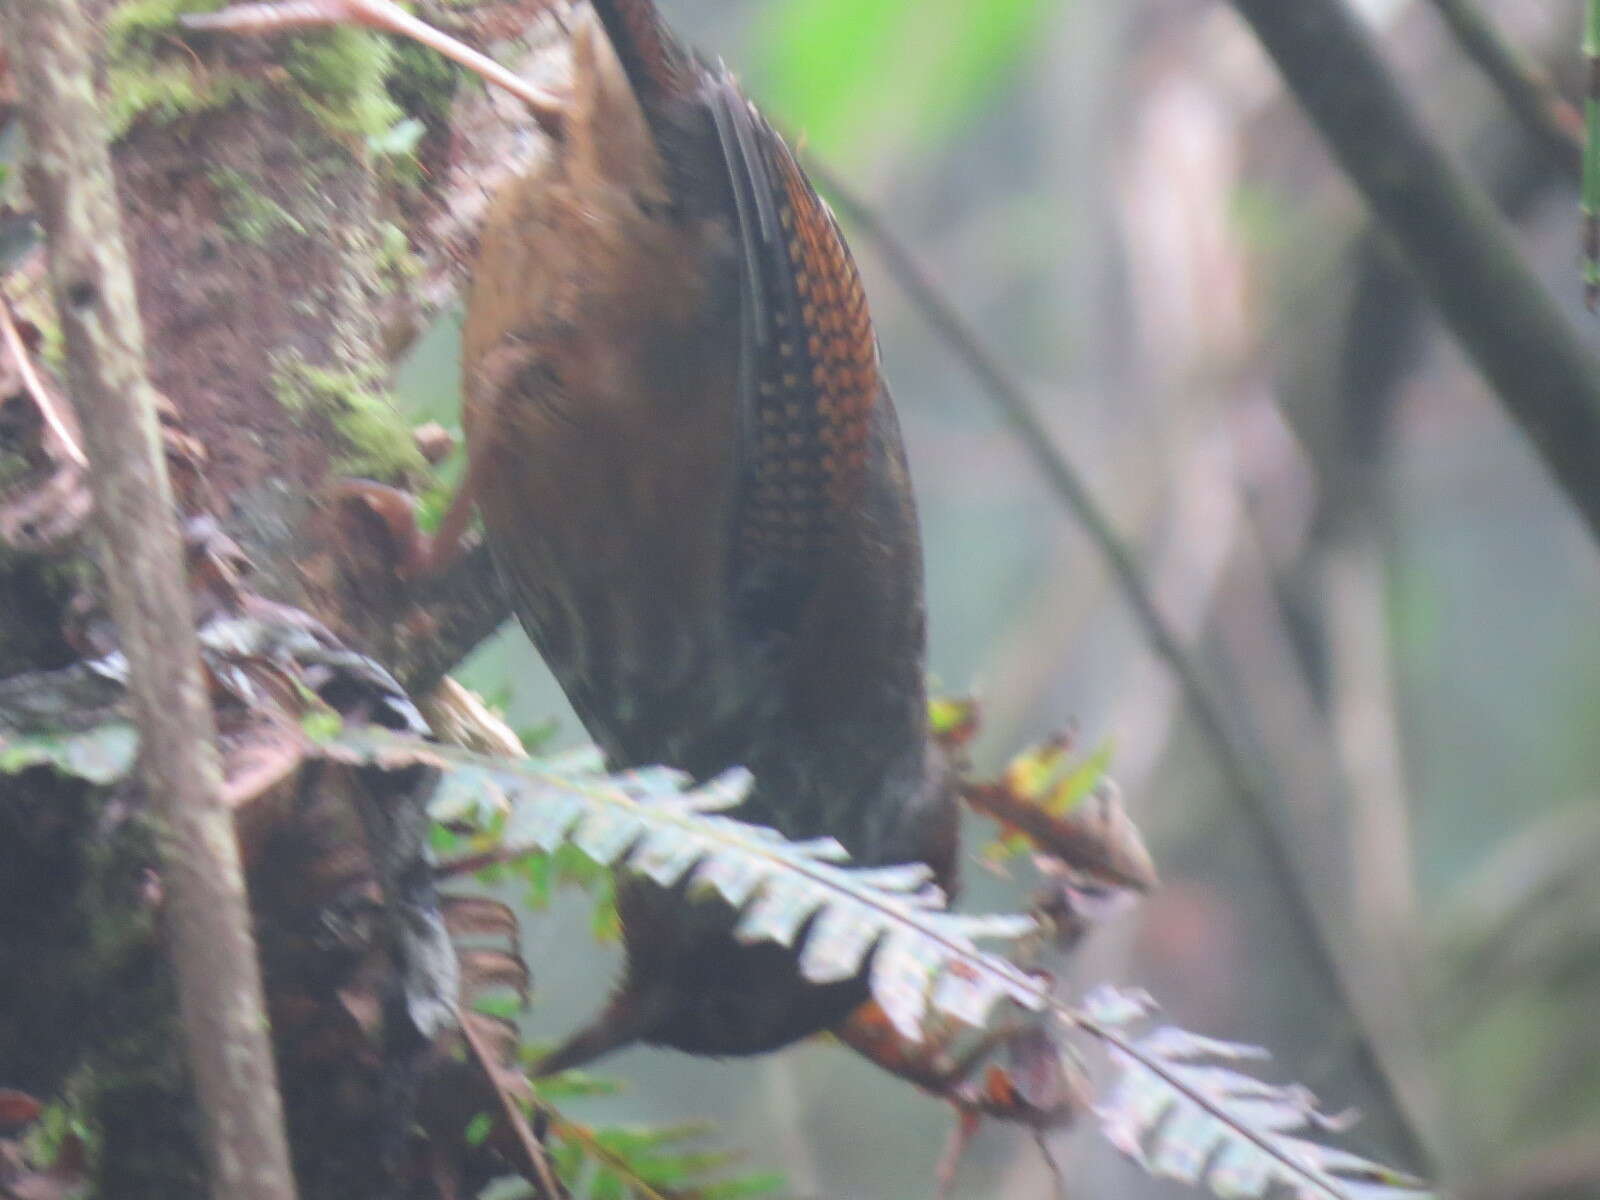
1244,777
30,380
547,109
1525,88
219,981
1449,233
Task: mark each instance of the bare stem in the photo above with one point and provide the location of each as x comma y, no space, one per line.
219,983
36,389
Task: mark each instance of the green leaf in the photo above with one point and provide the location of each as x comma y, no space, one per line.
652,1162
399,139
101,755
538,737
538,872
501,1005
568,1084
321,724
478,1129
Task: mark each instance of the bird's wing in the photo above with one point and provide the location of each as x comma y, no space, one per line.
809,368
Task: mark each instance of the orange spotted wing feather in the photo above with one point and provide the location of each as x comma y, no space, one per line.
811,375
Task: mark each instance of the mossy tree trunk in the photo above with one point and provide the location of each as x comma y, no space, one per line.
296,210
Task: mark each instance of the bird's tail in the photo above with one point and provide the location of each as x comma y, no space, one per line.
656,63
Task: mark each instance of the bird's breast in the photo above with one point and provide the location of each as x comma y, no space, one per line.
604,432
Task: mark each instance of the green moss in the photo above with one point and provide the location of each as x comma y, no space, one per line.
14,469
162,89
395,261
63,1121
356,84
149,74
343,75
247,213
144,25
361,413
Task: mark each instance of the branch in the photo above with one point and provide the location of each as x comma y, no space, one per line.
1527,91
1244,777
213,952
1448,232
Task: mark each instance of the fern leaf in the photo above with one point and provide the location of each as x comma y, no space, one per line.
651,821
1182,1110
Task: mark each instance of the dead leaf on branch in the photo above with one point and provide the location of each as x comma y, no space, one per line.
1068,810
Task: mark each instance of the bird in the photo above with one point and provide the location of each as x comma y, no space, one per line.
691,476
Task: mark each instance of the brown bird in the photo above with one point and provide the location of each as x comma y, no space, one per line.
691,475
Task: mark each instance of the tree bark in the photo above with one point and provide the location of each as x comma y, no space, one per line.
282,256
213,952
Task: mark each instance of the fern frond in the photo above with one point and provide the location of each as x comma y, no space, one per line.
652,822
1182,1110
1175,1113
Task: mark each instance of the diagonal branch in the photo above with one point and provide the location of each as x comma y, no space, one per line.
214,954
1461,252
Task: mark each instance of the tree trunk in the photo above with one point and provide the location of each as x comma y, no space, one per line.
296,209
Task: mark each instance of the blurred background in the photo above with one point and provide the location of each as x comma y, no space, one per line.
1392,604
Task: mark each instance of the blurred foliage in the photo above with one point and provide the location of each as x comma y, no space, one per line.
656,1162
1516,979
922,68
